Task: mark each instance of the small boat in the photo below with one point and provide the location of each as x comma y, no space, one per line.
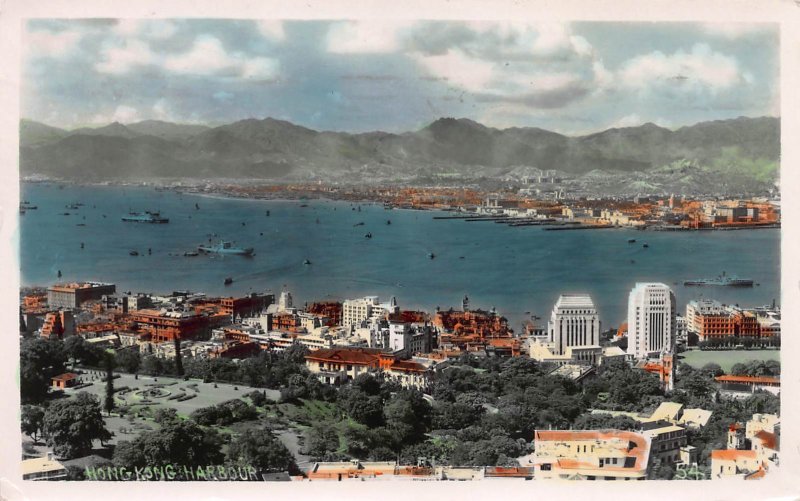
196,207
461,257
72,206
359,224
431,255
22,211
59,273
243,223
631,240
645,246
317,220
306,262
368,235
64,213
388,221
81,245
133,253
267,213
191,253
303,205
228,281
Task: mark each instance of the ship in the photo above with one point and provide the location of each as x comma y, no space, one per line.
225,247
722,280
228,281
145,217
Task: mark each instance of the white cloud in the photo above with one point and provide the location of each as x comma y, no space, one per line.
271,29
122,114
471,74
206,57
118,60
374,36
51,44
701,67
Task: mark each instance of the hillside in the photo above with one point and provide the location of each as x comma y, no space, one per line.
273,149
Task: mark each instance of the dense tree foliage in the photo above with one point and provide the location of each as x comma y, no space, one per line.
71,425
79,351
128,360
177,442
40,360
259,448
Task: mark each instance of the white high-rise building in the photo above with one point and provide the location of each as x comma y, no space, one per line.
573,323
357,311
651,320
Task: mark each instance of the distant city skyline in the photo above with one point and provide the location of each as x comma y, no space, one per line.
396,76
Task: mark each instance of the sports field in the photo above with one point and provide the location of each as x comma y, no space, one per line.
726,359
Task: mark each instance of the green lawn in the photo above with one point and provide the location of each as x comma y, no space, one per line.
726,359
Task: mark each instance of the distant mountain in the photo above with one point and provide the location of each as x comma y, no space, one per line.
32,133
166,130
742,148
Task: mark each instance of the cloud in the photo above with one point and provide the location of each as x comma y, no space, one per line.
120,59
539,66
51,44
360,37
271,29
122,114
701,68
206,57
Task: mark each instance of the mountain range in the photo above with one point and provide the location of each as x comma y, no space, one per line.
272,149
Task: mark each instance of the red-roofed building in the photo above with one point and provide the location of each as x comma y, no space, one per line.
749,383
733,462
338,365
66,380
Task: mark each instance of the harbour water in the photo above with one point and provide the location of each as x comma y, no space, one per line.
519,270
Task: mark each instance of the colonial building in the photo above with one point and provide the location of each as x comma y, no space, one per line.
339,365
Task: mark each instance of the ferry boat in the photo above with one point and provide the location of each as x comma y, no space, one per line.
722,280
225,247
145,217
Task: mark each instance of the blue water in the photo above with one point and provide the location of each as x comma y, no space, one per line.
518,270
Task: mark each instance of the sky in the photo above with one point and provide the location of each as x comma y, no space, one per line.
398,75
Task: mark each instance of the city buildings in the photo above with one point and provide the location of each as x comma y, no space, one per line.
651,320
711,320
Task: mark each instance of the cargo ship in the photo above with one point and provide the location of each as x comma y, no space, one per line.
722,280
225,247
145,217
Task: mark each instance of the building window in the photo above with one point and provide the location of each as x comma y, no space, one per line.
545,467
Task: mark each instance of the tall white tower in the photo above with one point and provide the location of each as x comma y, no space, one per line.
573,322
651,320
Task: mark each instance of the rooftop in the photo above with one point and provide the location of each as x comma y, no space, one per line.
732,454
40,465
574,301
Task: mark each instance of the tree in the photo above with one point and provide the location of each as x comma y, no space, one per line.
40,360
604,421
456,415
32,420
177,442
108,403
128,360
408,416
321,439
178,357
262,450
78,350
713,369
71,425
259,398
152,365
